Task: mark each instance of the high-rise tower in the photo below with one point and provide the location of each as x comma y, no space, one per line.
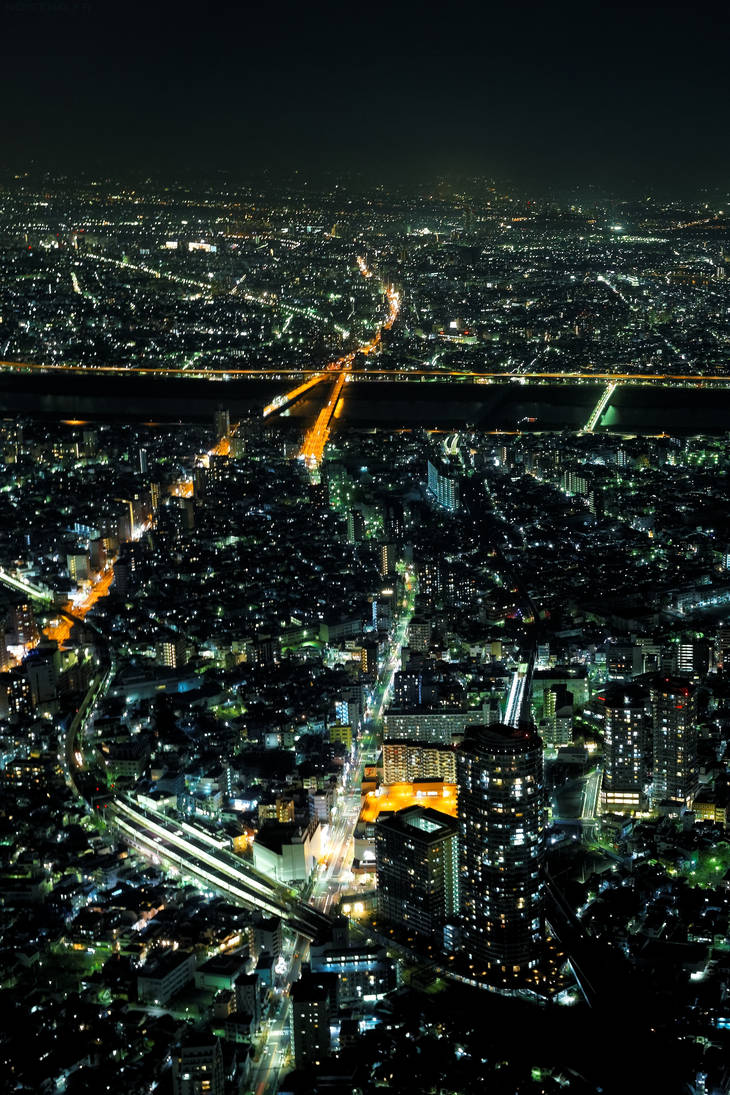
499,773
626,748
674,737
222,422
417,866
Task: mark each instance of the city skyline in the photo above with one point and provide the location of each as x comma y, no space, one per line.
364,550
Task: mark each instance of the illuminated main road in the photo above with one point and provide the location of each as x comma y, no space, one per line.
468,376
274,1054
80,607
313,448
391,663
316,438
73,611
333,876
282,401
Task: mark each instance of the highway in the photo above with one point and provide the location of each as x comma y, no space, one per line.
316,438
312,450
591,791
70,753
282,401
471,376
582,801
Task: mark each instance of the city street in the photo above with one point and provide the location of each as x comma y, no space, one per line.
333,873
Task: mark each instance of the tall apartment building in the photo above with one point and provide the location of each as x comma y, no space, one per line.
408,761
674,740
22,625
355,526
388,559
416,856
172,651
312,1000
442,727
222,422
419,634
502,838
443,485
626,748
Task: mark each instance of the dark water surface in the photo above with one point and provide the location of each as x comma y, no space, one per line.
509,406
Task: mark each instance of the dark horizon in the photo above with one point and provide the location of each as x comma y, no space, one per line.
625,100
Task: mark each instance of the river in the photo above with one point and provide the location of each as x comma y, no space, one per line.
373,403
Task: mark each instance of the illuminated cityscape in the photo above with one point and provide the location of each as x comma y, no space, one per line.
364,553
334,692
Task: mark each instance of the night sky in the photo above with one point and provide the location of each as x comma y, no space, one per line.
548,96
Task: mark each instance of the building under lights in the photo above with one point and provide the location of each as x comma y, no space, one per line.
443,485
501,847
626,749
198,1068
674,741
407,761
416,855
433,793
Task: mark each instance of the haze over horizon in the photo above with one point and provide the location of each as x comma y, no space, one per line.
618,98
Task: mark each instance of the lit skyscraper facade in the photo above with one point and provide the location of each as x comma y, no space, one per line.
674,735
417,865
501,836
626,748
443,486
